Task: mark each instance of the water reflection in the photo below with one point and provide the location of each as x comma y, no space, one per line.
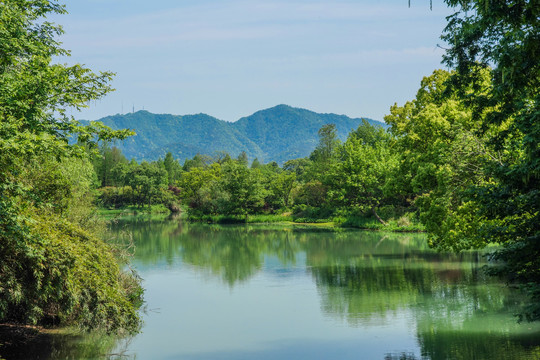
26,343
363,278
389,295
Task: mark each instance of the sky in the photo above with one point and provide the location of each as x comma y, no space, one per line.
230,58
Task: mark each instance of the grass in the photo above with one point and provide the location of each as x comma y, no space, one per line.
132,209
240,219
358,222
369,223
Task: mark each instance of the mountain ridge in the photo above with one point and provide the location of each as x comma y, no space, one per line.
279,133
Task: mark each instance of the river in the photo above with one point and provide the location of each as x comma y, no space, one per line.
293,292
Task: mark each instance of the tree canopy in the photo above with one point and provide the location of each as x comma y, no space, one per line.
504,36
53,266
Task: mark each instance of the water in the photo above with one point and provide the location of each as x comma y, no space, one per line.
285,292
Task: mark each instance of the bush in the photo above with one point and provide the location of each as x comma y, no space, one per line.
53,272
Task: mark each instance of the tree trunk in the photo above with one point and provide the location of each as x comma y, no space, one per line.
374,210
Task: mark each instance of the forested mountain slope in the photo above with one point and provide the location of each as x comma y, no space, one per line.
276,134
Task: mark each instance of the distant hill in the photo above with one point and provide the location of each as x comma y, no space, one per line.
277,134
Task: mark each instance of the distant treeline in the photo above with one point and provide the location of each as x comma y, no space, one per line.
416,171
440,165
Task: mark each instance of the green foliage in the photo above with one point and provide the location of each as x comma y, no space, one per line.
53,268
243,190
367,162
61,274
311,193
279,186
442,155
147,180
298,166
326,150
173,168
199,188
106,163
505,36
198,160
255,163
276,134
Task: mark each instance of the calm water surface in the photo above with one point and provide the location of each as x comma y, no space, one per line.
285,292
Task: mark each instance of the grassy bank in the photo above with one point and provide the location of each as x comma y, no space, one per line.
365,223
369,223
240,219
134,210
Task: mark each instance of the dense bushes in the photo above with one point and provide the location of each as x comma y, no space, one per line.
54,268
56,273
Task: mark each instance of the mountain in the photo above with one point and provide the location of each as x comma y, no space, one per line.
277,134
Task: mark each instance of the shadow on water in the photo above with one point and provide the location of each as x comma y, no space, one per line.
24,343
362,279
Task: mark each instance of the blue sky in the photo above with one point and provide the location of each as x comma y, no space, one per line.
230,58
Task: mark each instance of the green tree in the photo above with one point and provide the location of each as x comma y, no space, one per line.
279,186
173,168
221,157
106,160
197,161
326,150
504,35
199,186
243,188
52,265
299,166
243,159
366,164
148,180
256,164
441,156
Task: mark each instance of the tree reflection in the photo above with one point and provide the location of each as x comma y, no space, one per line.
459,312
362,278
27,343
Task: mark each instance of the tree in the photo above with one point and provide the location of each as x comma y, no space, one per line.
442,155
504,35
173,168
197,161
198,187
366,164
53,267
147,180
256,164
104,163
299,166
243,188
279,186
328,143
243,159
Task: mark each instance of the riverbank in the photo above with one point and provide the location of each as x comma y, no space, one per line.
402,224
37,342
134,210
363,223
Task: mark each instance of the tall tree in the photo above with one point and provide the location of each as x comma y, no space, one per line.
243,159
366,163
441,156
328,143
51,265
505,35
244,190
173,168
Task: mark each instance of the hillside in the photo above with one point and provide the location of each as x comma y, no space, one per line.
276,134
